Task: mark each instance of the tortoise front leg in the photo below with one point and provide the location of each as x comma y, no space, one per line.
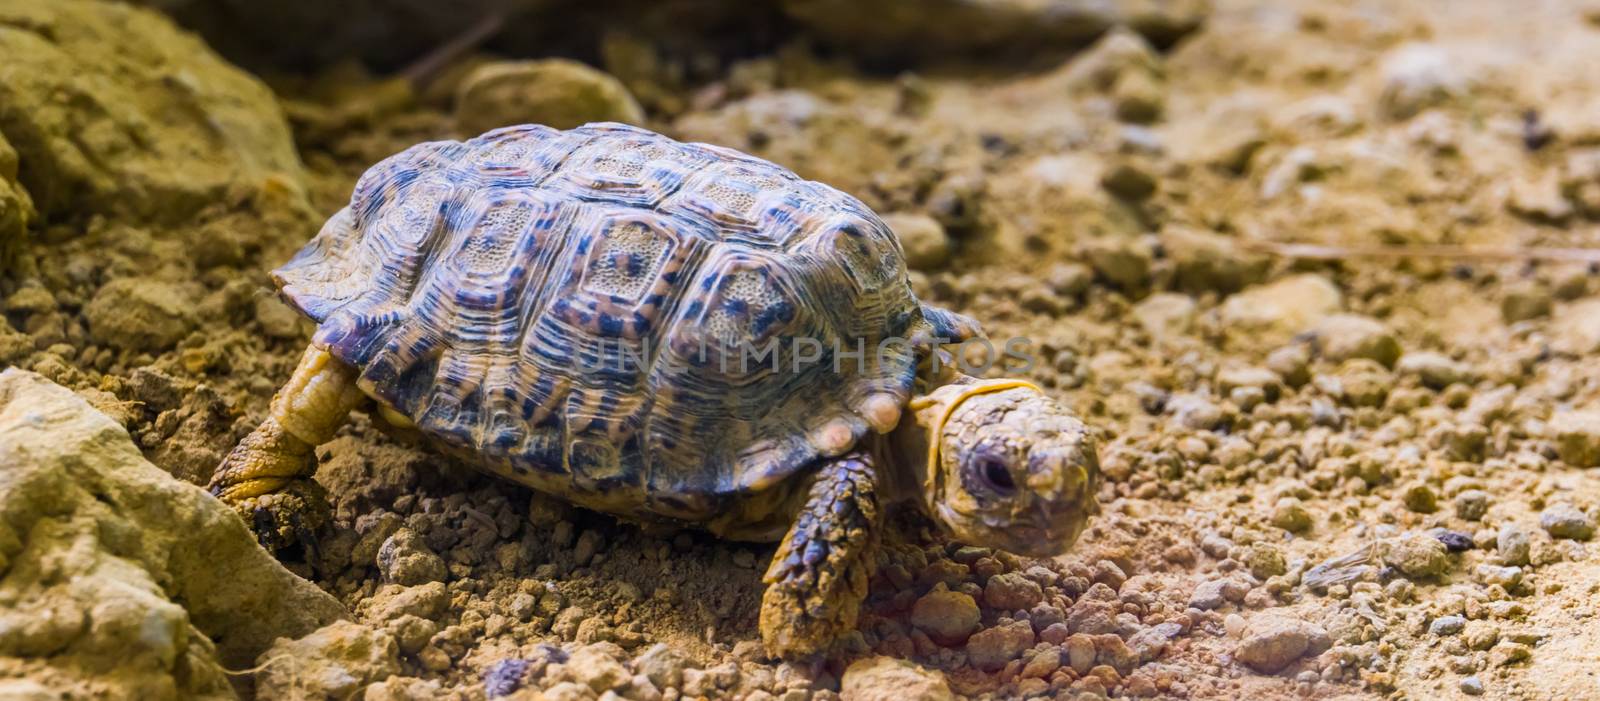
267,477
818,577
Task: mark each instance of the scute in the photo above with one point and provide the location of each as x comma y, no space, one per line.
641,325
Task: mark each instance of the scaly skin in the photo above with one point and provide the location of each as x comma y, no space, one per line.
818,578
267,477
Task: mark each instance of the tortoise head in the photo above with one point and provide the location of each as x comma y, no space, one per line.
1009,468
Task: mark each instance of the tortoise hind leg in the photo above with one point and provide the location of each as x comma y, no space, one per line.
818,577
267,477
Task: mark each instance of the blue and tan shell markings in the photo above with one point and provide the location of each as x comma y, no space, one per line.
574,308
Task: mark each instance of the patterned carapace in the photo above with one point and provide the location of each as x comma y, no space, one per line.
559,303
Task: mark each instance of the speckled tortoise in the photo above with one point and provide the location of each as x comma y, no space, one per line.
575,310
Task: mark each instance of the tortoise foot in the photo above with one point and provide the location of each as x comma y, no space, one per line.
295,514
819,576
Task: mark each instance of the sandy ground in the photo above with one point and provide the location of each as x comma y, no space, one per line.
1347,478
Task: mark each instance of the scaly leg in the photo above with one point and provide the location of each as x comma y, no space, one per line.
818,577
267,477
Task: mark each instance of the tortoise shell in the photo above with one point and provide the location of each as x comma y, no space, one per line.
575,309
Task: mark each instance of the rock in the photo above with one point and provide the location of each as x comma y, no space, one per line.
1225,137
1122,261
1567,521
1435,370
404,689
1416,77
1273,642
1509,653
392,601
1471,686
1208,262
1081,653
406,559
1454,541
1290,515
588,545
1525,302
1273,313
140,314
1140,97
1447,625
1207,595
1575,328
1505,577
1166,315
337,661
139,137
593,666
558,93
888,679
1420,498
1195,412
411,633
1417,556
1129,182
662,665
16,206
1264,560
1472,504
118,575
927,246
1152,641
1012,591
1513,544
276,319
1248,376
1069,279
1292,363
1480,635
991,648
948,617
1346,336
1577,436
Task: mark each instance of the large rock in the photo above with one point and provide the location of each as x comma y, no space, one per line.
554,92
112,109
116,580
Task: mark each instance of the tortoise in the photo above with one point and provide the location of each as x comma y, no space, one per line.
578,311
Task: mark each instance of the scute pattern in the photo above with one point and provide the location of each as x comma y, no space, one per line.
641,325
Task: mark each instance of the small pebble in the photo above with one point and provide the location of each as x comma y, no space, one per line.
1567,521
1513,544
1454,541
1447,625
1471,686
1472,504
1421,498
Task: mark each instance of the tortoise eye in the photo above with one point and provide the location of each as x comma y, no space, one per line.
993,473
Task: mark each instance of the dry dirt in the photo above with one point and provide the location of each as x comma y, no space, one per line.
1347,478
